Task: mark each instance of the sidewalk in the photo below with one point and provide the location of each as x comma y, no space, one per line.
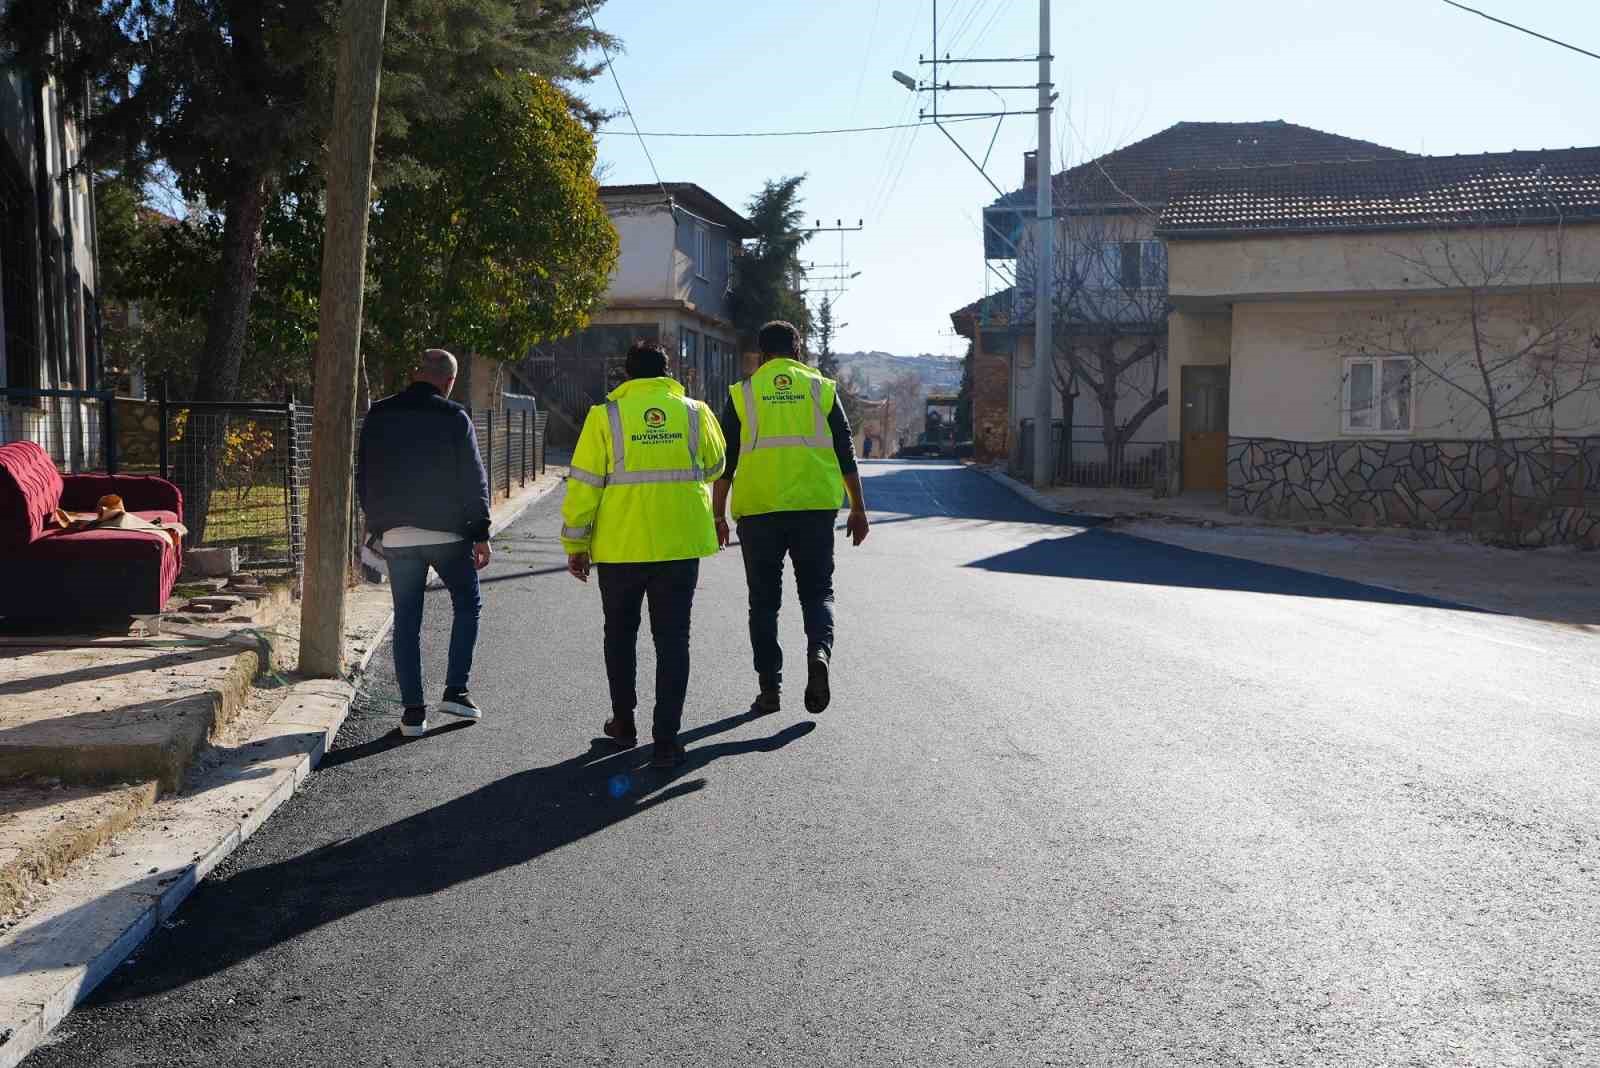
130,767
1555,585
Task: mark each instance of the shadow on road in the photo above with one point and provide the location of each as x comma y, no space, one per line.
1106,556
509,822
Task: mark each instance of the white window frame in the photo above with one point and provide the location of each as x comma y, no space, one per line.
702,252
1376,399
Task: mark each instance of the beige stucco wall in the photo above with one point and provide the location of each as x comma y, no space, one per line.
1370,263
1288,362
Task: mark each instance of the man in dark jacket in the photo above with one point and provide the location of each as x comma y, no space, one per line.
423,488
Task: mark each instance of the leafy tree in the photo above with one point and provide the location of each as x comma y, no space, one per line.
499,240
233,99
767,284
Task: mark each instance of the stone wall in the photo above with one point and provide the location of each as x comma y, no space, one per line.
1535,490
138,435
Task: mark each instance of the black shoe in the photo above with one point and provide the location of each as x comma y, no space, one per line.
817,693
767,702
414,721
457,703
622,731
666,755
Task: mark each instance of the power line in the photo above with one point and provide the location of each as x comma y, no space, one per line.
866,60
782,133
1524,29
606,52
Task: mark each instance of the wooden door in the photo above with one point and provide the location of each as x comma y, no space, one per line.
1205,428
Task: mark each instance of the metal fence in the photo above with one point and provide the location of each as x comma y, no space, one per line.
244,467
76,427
1086,461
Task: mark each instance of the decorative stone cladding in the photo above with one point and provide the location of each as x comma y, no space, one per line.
1536,490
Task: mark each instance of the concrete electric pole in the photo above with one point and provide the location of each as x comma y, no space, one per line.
1044,244
344,264
1044,231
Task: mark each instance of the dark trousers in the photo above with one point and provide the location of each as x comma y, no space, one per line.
807,539
408,579
670,588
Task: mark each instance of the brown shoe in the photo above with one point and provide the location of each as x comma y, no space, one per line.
622,731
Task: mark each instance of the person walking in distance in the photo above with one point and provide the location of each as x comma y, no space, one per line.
790,462
638,509
423,489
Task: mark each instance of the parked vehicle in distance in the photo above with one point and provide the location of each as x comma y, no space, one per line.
938,437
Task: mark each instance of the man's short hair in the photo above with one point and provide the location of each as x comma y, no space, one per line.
437,365
779,338
646,359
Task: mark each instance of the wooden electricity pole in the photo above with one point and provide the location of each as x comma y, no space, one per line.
344,265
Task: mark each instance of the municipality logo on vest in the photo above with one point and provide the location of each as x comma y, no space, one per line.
655,429
783,391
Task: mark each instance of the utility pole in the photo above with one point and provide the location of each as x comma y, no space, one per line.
338,357
1044,243
1044,214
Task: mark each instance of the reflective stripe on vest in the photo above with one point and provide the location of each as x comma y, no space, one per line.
588,477
820,439
577,533
621,476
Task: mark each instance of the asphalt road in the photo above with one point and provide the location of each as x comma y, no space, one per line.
1081,800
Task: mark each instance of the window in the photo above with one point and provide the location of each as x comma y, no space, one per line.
689,358
702,251
729,262
1377,395
1131,262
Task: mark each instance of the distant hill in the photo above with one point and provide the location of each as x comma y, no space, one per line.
876,370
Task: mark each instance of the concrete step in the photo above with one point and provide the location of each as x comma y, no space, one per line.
45,827
109,712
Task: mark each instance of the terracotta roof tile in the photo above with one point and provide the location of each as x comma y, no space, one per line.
1139,173
1419,191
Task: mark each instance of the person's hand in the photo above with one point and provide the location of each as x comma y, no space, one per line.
578,566
723,534
480,555
857,526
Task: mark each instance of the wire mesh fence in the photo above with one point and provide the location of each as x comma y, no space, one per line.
76,427
244,468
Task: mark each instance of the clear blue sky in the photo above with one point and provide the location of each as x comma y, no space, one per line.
1412,74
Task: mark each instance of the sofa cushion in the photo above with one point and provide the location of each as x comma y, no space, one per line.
90,574
109,543
30,489
139,493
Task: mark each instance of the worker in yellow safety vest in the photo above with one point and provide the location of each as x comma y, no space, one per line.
638,508
790,463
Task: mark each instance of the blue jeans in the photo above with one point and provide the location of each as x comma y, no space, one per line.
806,538
408,579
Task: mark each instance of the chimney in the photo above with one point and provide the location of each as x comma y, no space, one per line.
1030,170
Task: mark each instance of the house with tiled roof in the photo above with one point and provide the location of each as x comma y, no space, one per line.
1107,210
1410,341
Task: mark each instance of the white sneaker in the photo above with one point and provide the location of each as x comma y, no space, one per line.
414,722
457,703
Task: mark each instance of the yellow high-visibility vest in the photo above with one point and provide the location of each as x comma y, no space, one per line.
639,490
786,457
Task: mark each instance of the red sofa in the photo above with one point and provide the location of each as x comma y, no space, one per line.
47,573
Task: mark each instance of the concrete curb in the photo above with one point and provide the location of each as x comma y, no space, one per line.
1034,497
55,958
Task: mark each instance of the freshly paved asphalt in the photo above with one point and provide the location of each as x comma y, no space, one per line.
1081,800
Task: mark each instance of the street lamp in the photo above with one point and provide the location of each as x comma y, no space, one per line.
906,80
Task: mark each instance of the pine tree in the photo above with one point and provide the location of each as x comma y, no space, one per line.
767,286
827,361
